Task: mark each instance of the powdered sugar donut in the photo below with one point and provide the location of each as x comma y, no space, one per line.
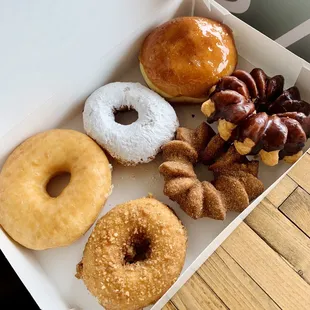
140,141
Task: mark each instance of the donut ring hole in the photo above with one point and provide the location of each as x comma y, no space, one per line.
202,172
57,183
125,115
138,249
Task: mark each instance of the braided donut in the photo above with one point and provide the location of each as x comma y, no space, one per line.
231,190
254,111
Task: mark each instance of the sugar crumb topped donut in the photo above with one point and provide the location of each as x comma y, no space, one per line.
28,213
140,141
134,254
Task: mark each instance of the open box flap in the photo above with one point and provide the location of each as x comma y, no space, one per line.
75,66
51,48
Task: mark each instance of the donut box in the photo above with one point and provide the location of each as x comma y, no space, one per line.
65,58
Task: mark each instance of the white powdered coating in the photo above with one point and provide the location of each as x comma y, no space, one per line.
140,141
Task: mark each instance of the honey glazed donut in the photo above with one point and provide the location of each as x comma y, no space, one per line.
184,57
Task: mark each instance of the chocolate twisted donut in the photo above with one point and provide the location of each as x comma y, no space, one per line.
232,189
255,112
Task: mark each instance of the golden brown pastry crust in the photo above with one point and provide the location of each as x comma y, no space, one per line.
183,58
118,284
27,212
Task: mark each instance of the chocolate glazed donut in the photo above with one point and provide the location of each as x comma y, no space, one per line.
253,111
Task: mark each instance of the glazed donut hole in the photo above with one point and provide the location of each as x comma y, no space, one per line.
57,183
57,177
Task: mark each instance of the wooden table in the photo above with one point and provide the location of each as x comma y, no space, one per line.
265,262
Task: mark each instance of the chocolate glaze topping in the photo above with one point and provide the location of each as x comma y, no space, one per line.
273,118
227,100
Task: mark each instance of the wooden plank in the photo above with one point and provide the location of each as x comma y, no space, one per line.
283,236
301,171
169,306
267,268
196,294
232,284
297,209
282,191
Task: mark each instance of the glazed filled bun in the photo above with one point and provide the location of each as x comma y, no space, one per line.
183,58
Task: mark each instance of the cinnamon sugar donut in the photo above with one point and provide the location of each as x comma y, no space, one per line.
28,213
235,183
134,254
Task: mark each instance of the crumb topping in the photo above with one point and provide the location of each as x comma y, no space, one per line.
134,254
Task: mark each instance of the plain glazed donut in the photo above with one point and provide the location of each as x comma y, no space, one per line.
184,57
140,141
134,254
27,212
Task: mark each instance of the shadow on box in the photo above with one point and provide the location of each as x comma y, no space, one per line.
13,294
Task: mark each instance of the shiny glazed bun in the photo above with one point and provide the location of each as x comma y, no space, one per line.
183,58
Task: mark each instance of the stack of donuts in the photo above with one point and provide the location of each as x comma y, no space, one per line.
137,250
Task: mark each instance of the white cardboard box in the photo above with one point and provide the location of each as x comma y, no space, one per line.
53,55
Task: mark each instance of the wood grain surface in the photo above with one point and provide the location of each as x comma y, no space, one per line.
265,262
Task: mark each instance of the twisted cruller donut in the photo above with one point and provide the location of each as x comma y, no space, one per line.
134,254
232,189
261,118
